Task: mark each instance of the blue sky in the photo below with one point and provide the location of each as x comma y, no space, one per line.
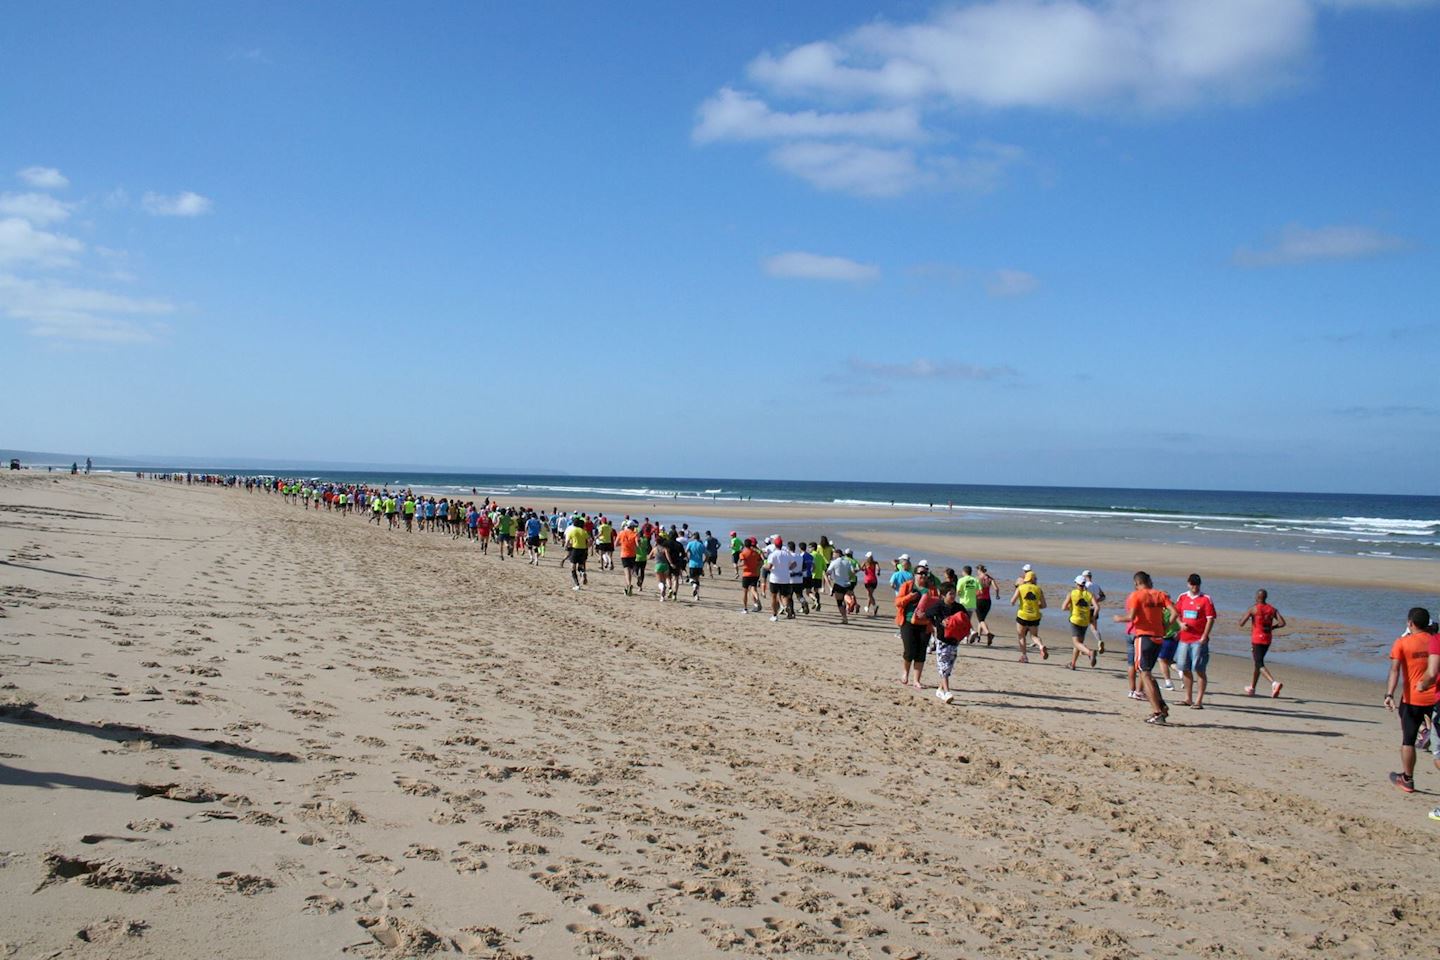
1136,243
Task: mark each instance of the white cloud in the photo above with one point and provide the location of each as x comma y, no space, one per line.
929,370
851,167
871,171
40,208
1060,54
58,310
22,243
736,115
1011,283
44,178
1297,244
813,266
185,204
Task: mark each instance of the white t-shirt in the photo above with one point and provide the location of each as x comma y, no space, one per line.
841,572
780,561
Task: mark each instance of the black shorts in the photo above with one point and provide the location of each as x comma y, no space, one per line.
735,558
578,556
1412,718
1147,651
1078,632
809,583
780,589
1257,653
841,591
1027,623
533,541
628,563
982,609
605,547
713,558
695,573
506,537
749,581
916,641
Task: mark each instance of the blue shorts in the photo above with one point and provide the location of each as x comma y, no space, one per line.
1193,657
1167,648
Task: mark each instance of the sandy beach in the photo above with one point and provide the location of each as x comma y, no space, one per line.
230,726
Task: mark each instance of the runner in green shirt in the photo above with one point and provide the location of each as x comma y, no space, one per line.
967,589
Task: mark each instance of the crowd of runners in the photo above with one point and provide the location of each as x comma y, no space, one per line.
935,611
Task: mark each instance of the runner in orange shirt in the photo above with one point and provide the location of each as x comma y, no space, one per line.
1409,658
1145,610
749,562
625,542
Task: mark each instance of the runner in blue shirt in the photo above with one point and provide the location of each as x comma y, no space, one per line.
695,551
532,539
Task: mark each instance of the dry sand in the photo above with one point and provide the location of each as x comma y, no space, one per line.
236,728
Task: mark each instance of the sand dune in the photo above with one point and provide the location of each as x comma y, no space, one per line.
235,727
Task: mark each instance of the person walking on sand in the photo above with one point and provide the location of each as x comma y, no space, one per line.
1145,613
1197,618
989,589
1409,661
1264,620
1081,605
952,627
914,628
1029,600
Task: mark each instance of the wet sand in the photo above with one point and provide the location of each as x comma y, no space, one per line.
234,725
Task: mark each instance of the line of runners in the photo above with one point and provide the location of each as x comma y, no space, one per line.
934,615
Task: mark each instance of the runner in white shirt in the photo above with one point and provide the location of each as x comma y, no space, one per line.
780,564
842,582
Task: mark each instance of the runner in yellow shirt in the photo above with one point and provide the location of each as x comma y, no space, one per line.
1081,604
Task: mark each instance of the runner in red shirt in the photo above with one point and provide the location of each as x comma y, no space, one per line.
1264,620
1197,618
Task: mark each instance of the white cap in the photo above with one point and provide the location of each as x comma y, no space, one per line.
924,563
903,556
869,555
1025,569
1085,573
1080,579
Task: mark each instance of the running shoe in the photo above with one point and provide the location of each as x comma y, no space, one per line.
1249,691
1156,718
1168,685
1402,783
1435,814
1275,689
1136,695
